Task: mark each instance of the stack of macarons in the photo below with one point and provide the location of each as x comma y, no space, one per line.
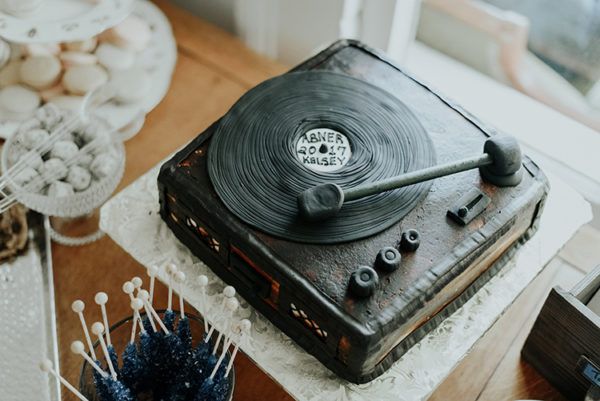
62,73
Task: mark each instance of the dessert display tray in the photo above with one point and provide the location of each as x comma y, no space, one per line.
158,60
27,312
64,20
132,219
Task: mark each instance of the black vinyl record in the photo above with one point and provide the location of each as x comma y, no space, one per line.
307,128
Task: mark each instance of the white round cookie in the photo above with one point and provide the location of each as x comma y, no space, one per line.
53,169
41,49
103,165
49,115
10,74
60,189
33,137
131,85
16,151
18,103
114,58
28,125
71,58
31,159
85,160
79,178
64,150
86,46
81,79
40,72
25,176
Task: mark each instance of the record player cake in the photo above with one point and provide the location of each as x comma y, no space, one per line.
352,205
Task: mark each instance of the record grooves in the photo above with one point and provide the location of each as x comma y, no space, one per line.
257,172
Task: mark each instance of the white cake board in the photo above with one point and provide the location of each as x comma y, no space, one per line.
132,219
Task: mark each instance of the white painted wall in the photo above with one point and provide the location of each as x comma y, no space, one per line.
292,30
217,12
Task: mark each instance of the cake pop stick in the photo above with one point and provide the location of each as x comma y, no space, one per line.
245,326
137,283
203,282
128,289
144,296
98,330
223,353
46,366
136,305
77,348
78,306
231,304
228,292
101,299
180,277
152,273
171,269
183,328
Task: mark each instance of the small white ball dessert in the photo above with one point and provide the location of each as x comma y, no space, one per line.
49,116
60,189
103,165
30,139
53,169
64,150
79,178
26,176
31,159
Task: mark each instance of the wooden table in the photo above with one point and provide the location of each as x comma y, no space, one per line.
213,70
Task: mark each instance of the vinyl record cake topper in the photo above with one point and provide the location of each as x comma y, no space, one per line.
302,129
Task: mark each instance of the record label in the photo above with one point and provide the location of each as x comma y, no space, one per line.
323,150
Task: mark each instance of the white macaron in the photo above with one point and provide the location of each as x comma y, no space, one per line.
81,79
114,58
40,72
18,103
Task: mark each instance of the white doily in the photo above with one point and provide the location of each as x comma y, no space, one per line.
22,330
131,218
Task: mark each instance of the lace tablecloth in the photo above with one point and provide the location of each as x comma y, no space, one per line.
132,219
23,330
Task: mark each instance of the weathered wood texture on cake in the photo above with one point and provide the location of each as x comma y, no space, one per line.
565,331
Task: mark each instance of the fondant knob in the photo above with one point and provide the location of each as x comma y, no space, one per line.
363,282
505,152
388,259
410,241
505,170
